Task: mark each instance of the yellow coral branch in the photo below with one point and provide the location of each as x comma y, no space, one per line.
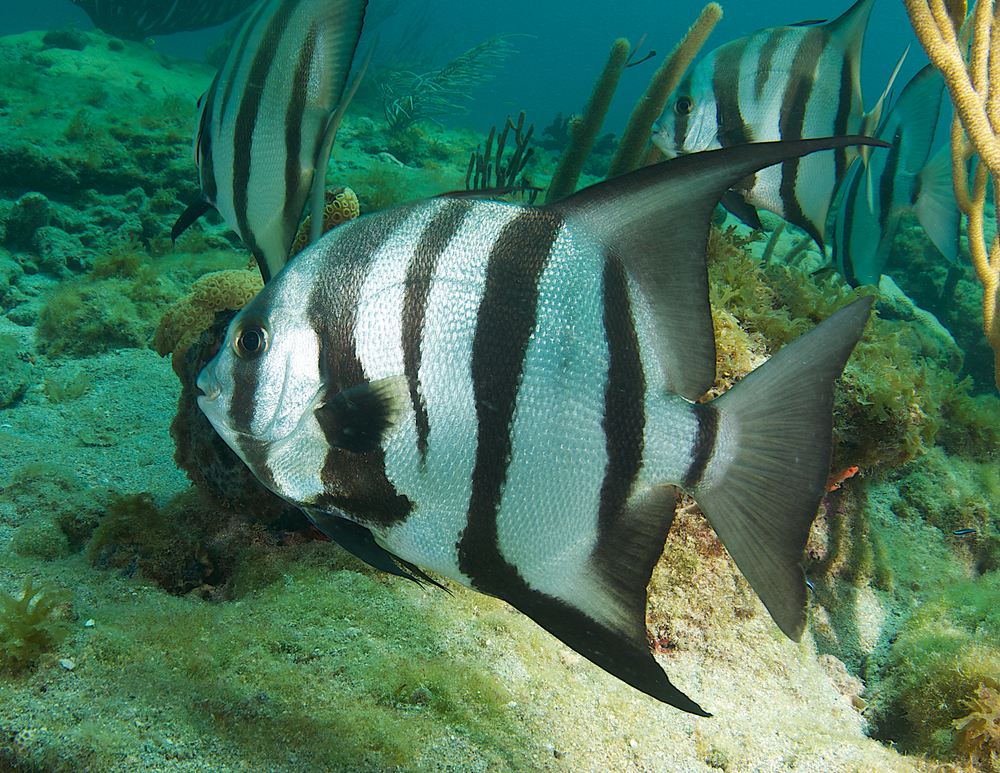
975,91
628,156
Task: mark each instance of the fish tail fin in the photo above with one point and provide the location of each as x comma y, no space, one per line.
936,208
761,487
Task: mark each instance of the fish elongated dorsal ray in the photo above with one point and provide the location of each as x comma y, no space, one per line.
657,221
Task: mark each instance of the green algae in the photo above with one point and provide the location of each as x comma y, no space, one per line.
331,667
28,627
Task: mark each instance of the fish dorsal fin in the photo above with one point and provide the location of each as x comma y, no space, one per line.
850,28
936,208
326,147
656,220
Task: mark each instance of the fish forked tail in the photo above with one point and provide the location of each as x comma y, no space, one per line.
761,487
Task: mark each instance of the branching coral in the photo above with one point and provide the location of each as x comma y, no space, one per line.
973,86
27,625
182,324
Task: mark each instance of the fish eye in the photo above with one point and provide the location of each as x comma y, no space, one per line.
683,106
251,341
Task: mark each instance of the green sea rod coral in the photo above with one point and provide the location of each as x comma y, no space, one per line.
28,627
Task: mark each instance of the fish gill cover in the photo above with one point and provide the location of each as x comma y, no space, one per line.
138,19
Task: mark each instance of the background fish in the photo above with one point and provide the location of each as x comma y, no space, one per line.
267,121
780,83
139,19
904,180
502,394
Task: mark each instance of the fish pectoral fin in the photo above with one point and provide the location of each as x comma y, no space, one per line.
358,418
188,216
361,543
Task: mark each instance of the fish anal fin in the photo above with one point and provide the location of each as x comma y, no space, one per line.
356,419
601,611
936,208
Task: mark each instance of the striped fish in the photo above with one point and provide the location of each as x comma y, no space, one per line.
502,394
904,181
780,83
138,19
267,122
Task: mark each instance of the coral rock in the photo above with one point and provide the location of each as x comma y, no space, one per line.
341,205
184,322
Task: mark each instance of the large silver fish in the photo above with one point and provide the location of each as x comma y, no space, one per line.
903,180
780,83
268,120
504,395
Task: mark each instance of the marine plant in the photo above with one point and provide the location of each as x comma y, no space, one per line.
28,625
408,97
583,129
978,733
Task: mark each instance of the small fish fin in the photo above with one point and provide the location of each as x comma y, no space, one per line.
487,193
871,122
656,220
188,216
768,479
317,203
357,419
360,542
936,208
738,206
602,614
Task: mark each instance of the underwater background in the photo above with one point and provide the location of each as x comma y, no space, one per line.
163,612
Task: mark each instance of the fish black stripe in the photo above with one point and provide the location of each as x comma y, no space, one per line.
707,416
887,184
504,324
841,123
233,62
767,51
294,114
624,411
733,129
794,102
848,224
246,120
354,483
433,241
681,121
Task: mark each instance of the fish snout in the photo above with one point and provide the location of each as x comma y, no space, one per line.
209,385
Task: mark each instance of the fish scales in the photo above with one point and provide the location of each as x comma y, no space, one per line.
483,390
